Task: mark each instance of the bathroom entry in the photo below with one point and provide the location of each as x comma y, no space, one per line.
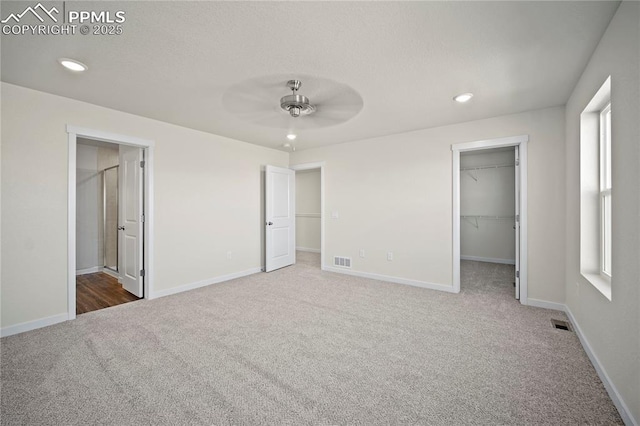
489,218
103,267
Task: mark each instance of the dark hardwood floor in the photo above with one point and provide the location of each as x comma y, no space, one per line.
99,291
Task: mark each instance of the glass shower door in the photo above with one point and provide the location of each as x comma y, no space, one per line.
110,217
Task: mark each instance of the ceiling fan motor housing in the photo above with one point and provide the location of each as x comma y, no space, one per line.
295,104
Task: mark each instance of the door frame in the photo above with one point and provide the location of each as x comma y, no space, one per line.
521,142
148,146
312,166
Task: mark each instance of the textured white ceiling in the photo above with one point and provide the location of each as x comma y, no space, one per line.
175,60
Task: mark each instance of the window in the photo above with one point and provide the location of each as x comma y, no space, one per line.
595,191
605,191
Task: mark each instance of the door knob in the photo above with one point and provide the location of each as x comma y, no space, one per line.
120,228
269,223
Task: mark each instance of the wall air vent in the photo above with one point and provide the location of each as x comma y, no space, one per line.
343,262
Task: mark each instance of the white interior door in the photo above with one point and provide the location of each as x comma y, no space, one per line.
517,221
131,221
280,233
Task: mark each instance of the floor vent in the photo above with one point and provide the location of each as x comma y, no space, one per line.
561,325
344,262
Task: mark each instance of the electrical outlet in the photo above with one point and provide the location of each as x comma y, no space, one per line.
228,255
389,255
361,252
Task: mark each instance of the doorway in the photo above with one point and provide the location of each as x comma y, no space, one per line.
487,222
489,210
110,220
109,212
308,217
98,280
283,215
310,213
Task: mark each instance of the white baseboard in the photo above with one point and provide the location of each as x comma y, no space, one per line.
624,411
547,305
310,250
396,280
89,270
111,273
489,260
203,283
32,325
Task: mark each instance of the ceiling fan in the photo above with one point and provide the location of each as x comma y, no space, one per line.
325,103
296,104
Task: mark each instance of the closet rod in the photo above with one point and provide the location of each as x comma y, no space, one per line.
473,220
495,166
487,217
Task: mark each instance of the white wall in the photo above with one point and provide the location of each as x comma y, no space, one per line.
308,210
487,192
393,193
207,200
612,328
88,209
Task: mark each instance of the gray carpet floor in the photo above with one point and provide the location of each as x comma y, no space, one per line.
301,346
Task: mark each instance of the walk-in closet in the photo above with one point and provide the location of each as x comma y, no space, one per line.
488,219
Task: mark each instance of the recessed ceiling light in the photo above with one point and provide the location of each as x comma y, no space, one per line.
291,136
464,97
73,65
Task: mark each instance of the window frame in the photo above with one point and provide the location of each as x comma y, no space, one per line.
605,191
592,198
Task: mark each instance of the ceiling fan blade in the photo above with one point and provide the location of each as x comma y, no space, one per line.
241,102
268,86
257,117
342,113
278,121
337,94
314,122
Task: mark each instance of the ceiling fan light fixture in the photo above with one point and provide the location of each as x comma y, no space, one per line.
291,136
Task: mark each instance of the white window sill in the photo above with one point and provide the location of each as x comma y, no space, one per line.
602,284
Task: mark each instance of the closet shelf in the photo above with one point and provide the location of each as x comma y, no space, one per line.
474,176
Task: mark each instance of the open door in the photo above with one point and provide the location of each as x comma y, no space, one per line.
280,233
131,220
517,221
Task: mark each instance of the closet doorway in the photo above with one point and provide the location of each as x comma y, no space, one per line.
490,233
488,220
309,214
